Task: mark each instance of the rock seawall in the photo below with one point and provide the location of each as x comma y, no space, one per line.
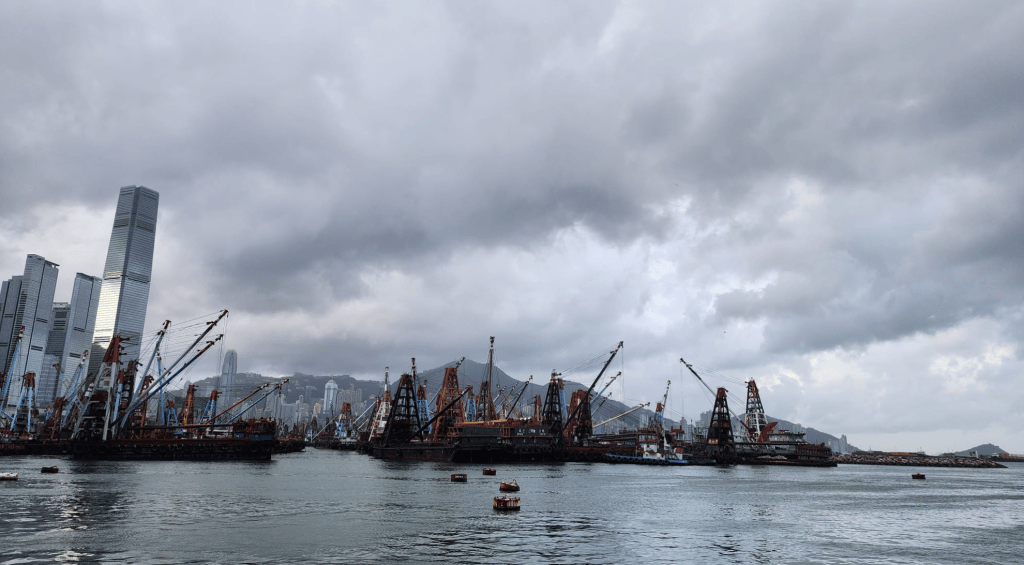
916,461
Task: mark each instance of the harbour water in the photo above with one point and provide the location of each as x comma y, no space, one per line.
342,507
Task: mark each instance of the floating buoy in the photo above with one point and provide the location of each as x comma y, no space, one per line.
506,502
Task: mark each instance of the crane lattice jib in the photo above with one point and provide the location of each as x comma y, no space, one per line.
404,417
583,425
445,424
754,420
721,443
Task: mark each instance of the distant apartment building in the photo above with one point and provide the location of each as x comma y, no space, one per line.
351,395
124,296
31,307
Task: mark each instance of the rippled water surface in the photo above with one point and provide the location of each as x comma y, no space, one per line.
340,507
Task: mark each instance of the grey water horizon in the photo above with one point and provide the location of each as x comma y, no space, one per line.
343,507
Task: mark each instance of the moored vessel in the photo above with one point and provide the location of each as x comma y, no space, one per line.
506,503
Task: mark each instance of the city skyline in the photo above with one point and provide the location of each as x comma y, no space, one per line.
824,197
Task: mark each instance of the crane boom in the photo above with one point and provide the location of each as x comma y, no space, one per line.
690,367
579,405
608,384
626,413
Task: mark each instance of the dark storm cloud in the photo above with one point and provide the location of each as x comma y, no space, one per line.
805,175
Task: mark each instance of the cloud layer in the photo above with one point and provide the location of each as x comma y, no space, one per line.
822,196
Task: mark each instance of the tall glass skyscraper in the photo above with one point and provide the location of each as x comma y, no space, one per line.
9,293
46,380
227,378
31,308
126,275
70,335
330,397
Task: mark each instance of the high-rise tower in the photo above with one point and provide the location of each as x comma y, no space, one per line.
126,275
329,406
46,380
227,377
31,309
70,336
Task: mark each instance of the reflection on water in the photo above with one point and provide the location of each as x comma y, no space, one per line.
339,507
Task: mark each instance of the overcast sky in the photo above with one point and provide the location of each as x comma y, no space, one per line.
826,197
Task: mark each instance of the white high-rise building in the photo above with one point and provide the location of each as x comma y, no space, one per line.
31,309
126,276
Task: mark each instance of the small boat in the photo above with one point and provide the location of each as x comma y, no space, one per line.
511,486
489,471
8,476
917,476
50,469
506,502
459,477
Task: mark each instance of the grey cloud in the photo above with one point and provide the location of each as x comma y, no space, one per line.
311,144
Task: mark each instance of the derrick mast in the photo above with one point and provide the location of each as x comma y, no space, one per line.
582,426
187,416
485,404
404,418
381,409
552,415
721,444
754,420
446,423
93,418
659,412
22,418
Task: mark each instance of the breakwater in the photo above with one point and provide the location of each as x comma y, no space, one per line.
917,461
